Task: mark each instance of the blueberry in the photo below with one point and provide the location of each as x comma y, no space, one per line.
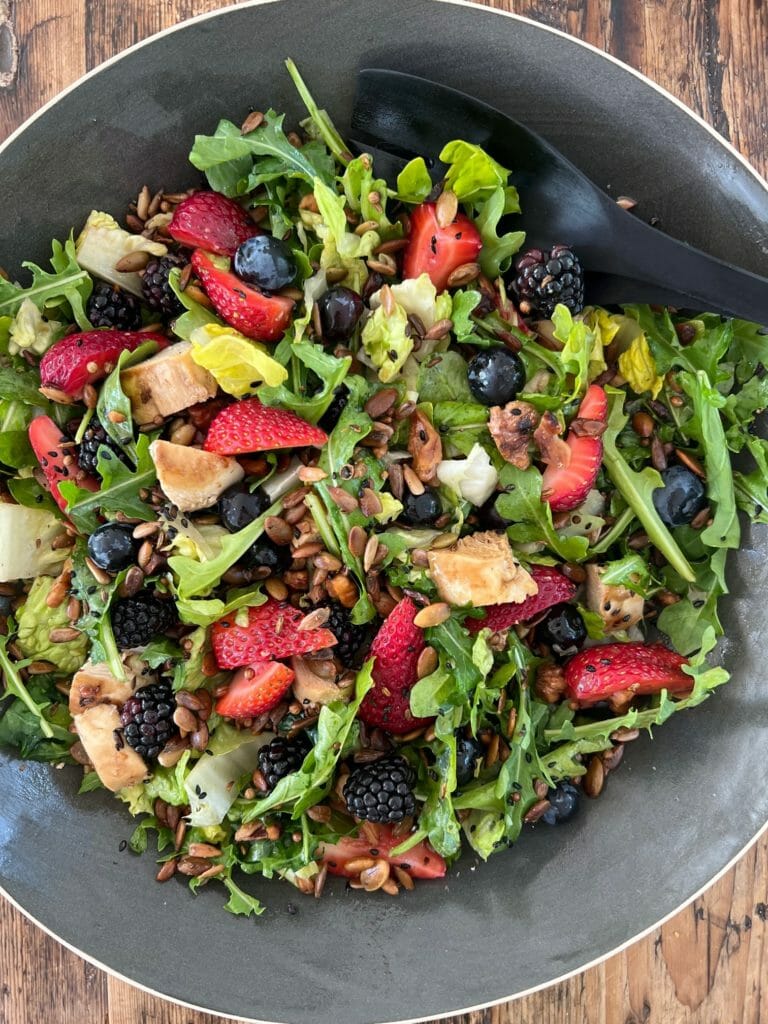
495,376
112,546
468,753
681,498
265,554
489,516
266,262
238,506
340,309
562,629
563,803
421,509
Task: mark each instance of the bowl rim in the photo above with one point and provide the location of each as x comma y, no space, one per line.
721,141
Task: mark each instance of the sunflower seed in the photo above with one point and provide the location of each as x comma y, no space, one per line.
63,634
185,719
254,120
415,486
380,403
357,541
438,330
594,780
432,615
343,499
370,553
192,866
98,574
315,619
311,474
204,850
536,811
427,662
370,503
278,531
446,208
306,551
167,870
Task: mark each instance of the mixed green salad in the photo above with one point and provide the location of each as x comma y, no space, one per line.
337,532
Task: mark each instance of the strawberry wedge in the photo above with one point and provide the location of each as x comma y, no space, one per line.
601,672
81,359
272,631
255,689
566,487
553,589
420,861
256,315
395,650
249,426
211,221
56,455
438,251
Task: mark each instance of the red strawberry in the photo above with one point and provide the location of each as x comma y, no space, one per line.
421,861
272,632
439,251
80,359
396,648
255,689
566,487
51,449
256,315
210,221
553,588
249,426
640,668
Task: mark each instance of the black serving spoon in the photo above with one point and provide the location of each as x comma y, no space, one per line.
397,116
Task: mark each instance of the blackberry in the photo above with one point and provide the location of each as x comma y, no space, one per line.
110,306
282,756
147,719
352,640
137,620
546,278
381,791
158,294
87,453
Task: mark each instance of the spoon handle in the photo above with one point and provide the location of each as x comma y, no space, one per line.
644,254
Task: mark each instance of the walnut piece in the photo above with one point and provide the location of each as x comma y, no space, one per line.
550,683
425,447
512,427
552,448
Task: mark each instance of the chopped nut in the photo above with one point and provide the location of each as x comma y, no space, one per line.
550,683
425,447
512,427
552,448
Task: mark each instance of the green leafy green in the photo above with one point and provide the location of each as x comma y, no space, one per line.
35,622
413,182
66,288
521,503
112,398
320,118
310,405
498,250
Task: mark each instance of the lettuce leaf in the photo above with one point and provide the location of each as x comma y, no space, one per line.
238,364
66,289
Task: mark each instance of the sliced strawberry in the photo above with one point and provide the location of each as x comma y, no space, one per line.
210,221
256,315
396,649
272,631
255,689
249,426
439,251
564,488
80,359
600,672
56,455
420,861
553,588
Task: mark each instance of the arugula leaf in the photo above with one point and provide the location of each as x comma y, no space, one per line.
575,355
707,426
21,383
112,398
320,118
119,491
68,287
465,302
521,503
462,425
96,600
195,578
227,149
637,488
336,733
688,621
204,612
240,902
28,492
15,449
14,685
328,368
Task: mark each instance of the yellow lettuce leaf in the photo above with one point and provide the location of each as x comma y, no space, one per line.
638,367
238,364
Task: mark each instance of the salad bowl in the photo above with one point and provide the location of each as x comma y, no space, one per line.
684,805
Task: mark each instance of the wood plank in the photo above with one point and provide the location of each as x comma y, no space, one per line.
708,964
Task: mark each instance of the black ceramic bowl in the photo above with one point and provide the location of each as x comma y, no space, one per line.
682,807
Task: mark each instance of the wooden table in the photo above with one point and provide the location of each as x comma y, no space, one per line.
709,963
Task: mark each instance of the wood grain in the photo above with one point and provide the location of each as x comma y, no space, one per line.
709,964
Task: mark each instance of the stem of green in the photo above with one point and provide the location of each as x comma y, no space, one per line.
408,844
621,475
321,522
615,532
15,686
325,125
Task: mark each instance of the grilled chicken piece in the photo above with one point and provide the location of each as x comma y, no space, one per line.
101,735
167,383
617,606
480,570
95,684
193,479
